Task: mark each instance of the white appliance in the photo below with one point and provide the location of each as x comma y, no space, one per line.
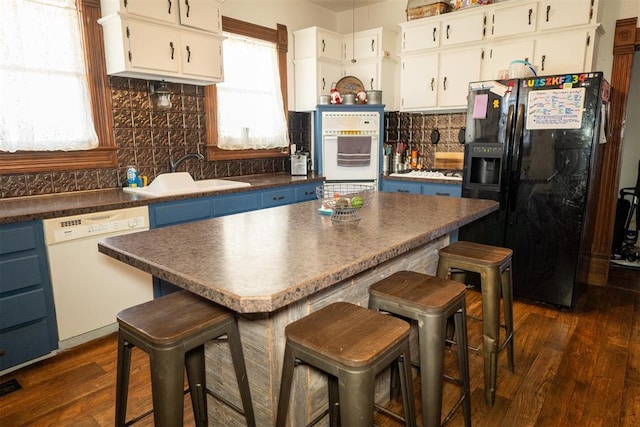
90,288
339,127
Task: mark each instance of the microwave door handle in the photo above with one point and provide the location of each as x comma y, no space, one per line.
515,159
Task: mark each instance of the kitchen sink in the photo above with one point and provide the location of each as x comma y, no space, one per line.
168,184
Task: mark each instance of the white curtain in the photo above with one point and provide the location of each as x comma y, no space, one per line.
250,108
44,96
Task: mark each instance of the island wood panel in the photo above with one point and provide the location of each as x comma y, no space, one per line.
263,345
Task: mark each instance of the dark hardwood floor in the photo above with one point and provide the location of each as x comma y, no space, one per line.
578,368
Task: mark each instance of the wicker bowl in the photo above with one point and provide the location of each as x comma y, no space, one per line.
344,200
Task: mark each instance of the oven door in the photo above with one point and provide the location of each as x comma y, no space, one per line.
334,172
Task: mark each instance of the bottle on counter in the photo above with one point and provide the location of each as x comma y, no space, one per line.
132,176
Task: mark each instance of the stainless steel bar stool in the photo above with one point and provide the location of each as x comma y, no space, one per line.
494,266
173,330
430,301
351,344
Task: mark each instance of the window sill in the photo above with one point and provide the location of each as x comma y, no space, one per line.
45,161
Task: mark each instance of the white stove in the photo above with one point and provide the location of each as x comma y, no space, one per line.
430,174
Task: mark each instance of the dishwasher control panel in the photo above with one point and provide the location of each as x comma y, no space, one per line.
95,224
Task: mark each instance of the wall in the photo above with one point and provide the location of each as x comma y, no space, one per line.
152,152
631,139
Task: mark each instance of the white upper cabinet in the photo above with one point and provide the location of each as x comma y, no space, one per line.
177,41
322,58
565,52
201,14
151,46
159,10
369,44
464,28
316,42
498,56
419,82
438,80
565,13
417,35
196,56
511,19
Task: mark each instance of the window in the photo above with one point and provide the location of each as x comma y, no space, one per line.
277,36
250,114
102,154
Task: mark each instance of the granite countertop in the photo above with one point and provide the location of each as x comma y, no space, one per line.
80,202
263,260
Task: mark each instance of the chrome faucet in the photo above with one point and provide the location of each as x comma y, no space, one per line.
174,165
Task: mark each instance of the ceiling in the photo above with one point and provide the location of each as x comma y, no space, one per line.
342,5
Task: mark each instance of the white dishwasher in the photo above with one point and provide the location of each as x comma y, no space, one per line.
90,288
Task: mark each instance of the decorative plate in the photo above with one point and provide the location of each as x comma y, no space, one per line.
349,84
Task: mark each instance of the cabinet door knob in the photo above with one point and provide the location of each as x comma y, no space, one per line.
169,11
544,57
434,33
444,83
448,28
548,9
188,54
172,49
530,13
373,45
372,83
433,80
323,45
186,2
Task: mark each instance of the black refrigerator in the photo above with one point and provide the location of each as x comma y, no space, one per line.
534,145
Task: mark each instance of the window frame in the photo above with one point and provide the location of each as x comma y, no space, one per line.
105,155
280,38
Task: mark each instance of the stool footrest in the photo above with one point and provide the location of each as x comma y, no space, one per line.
390,413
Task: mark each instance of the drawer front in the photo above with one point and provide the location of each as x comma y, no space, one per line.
442,189
18,273
178,212
22,308
282,196
306,192
401,187
23,344
244,202
17,238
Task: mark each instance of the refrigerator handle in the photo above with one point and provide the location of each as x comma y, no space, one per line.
515,158
507,138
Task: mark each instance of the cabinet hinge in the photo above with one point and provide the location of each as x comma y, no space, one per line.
130,56
128,33
125,3
482,54
588,39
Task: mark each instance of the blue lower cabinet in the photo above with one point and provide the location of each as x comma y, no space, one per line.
27,315
402,187
236,203
426,188
438,189
306,192
278,197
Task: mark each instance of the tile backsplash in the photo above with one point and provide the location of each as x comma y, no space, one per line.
146,138
416,129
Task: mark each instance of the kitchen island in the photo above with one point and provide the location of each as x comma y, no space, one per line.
276,265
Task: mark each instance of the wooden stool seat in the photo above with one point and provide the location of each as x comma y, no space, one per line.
352,344
173,330
494,266
430,301
477,255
